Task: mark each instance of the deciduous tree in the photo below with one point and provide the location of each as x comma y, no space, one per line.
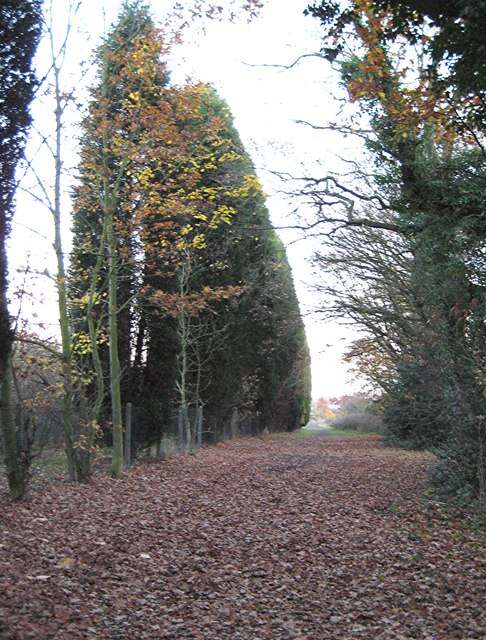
406,227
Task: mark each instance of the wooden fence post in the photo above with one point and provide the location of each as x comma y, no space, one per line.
180,431
234,423
199,425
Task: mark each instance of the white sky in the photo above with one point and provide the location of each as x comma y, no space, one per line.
265,103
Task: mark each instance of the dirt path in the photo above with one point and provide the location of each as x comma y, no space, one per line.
257,539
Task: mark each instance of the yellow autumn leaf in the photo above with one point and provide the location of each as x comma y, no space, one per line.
67,563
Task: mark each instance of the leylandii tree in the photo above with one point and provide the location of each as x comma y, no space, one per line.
143,200
234,340
20,27
189,214
125,98
188,276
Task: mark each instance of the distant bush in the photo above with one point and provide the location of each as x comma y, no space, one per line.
362,422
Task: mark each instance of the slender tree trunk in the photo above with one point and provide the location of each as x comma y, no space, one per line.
66,340
184,336
136,375
16,472
180,430
108,201
198,423
115,371
15,475
93,328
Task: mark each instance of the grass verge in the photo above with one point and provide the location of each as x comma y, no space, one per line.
329,432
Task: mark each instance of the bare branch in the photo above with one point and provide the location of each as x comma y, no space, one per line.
39,343
288,66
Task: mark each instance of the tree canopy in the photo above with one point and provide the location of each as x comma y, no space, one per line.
406,250
204,292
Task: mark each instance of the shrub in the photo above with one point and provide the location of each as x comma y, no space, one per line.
362,422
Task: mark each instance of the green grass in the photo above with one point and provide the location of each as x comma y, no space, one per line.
329,432
479,522
354,434
51,463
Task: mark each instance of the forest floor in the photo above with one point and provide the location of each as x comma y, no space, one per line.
280,537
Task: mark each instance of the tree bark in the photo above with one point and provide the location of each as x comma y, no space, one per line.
16,472
15,476
66,341
115,371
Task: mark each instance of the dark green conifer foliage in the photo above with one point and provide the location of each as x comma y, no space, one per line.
134,21
251,347
267,362
20,28
259,362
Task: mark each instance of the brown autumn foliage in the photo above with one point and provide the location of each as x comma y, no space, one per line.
407,94
268,538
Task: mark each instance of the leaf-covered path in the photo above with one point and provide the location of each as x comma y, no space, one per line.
256,539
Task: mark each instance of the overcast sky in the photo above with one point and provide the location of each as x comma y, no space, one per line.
265,102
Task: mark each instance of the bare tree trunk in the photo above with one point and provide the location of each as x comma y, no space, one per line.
115,371
16,472
66,340
108,202
180,430
184,337
16,480
187,427
93,328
